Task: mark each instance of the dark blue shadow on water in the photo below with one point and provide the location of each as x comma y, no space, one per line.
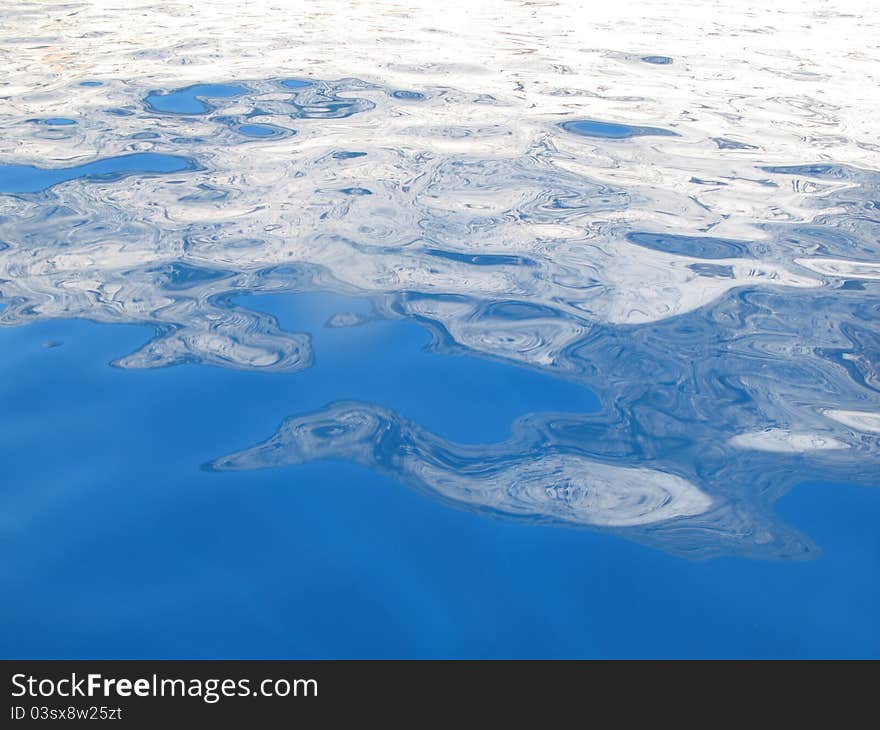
32,179
408,95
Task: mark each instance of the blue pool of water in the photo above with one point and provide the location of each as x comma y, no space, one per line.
320,368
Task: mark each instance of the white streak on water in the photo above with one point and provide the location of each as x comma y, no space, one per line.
859,420
782,441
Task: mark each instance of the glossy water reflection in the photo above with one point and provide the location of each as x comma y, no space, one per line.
691,237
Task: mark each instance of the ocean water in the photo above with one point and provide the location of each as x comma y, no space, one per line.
507,329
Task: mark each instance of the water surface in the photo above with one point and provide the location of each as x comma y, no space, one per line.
438,338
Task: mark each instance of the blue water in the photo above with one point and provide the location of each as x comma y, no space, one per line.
32,179
308,365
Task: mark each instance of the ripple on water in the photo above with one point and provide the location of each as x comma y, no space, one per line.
260,130
408,95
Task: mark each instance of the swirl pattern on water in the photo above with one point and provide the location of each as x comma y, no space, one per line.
692,237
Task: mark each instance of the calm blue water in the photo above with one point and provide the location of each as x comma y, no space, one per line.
306,364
